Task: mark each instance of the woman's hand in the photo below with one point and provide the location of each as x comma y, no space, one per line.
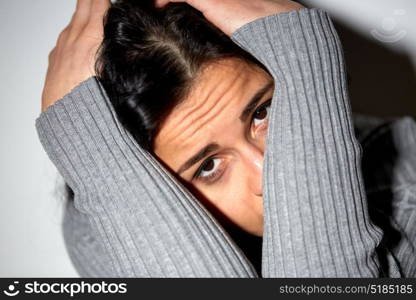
229,15
72,60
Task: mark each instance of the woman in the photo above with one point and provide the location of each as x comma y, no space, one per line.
132,214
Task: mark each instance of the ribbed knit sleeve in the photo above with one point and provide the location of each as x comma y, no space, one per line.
146,224
316,214
140,217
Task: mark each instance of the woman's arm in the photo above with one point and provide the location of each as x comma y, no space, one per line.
129,216
147,223
316,215
84,244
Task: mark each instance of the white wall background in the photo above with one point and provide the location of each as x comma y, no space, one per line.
31,244
390,22
30,214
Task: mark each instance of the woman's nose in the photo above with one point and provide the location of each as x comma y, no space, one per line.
253,157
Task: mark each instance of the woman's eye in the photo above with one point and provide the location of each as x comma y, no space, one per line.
209,169
261,113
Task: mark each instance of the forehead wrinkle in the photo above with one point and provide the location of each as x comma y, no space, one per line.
181,130
214,112
181,126
177,134
211,112
196,107
206,70
196,92
176,124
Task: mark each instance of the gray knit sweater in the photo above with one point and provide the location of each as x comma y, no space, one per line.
131,218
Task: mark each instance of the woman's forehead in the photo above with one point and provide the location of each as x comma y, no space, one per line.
211,107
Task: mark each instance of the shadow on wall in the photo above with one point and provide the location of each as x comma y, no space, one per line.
381,82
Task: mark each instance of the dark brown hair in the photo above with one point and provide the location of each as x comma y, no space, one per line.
149,58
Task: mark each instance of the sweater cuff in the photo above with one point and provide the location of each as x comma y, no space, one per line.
57,129
287,40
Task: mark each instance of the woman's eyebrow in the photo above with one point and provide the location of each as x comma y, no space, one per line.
206,150
254,100
198,156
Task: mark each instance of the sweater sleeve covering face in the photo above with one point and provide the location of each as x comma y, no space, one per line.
131,218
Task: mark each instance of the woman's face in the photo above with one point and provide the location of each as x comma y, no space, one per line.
214,140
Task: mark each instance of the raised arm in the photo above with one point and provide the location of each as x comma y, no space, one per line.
316,215
147,223
130,217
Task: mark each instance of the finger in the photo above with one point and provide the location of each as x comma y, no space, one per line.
63,35
98,11
51,55
94,28
81,14
161,3
99,7
201,5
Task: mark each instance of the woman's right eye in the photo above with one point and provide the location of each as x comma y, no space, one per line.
210,170
209,167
